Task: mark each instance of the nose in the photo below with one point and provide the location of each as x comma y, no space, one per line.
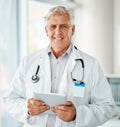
58,30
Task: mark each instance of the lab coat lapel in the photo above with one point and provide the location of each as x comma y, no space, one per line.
66,79
64,86
46,72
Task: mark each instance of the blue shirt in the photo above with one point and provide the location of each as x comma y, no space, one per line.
57,69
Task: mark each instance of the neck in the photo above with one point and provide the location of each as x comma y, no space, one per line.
58,53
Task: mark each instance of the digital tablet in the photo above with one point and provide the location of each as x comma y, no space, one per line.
51,99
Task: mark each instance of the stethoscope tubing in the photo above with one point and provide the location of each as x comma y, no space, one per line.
75,80
35,78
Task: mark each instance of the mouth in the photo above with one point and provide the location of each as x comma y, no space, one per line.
58,38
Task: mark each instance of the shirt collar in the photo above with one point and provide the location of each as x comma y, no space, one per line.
67,52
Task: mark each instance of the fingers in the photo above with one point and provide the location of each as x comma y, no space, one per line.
36,102
63,106
69,103
66,112
59,107
37,111
36,107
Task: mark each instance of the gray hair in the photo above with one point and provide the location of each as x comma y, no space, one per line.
59,10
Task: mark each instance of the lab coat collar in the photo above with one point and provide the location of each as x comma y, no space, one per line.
76,53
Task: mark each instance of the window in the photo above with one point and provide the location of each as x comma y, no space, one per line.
36,34
8,53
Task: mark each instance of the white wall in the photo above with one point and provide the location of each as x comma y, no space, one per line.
94,30
117,36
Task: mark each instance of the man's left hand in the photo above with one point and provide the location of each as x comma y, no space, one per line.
66,112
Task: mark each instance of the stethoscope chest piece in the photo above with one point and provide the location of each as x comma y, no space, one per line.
35,78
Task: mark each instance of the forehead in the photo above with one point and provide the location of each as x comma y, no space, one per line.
59,19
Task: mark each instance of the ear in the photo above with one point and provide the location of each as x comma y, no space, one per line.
73,29
46,31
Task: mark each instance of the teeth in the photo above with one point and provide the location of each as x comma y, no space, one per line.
58,38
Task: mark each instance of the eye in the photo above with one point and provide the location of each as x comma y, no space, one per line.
64,26
52,27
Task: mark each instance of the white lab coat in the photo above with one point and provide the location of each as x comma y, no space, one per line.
92,109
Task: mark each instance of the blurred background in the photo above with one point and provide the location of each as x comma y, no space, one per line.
22,32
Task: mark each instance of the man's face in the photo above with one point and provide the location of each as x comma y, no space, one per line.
59,31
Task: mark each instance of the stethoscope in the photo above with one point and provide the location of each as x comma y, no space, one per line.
81,80
35,78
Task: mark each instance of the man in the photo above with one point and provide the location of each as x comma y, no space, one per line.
62,69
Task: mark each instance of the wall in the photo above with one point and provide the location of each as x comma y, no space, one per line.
117,36
94,30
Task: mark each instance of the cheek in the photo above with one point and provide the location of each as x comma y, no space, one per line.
70,34
49,34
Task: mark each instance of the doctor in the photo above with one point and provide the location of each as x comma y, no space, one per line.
60,68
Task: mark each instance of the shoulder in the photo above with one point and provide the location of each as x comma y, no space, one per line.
35,56
90,62
38,53
86,57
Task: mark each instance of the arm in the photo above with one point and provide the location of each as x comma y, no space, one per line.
15,97
101,105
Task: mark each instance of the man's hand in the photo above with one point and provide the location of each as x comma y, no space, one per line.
36,107
66,112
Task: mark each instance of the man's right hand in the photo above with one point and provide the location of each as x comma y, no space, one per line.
36,107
